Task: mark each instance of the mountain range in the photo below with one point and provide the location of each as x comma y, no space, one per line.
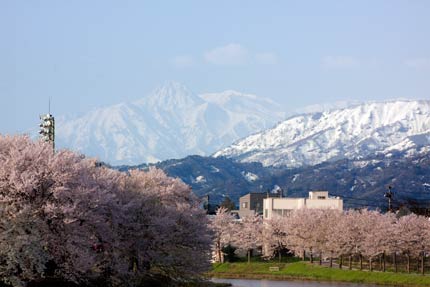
354,132
354,151
171,122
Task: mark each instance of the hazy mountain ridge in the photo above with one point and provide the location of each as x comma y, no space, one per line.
360,182
171,122
357,131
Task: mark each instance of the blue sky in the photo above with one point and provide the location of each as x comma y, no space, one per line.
86,54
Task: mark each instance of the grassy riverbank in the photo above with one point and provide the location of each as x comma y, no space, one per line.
307,271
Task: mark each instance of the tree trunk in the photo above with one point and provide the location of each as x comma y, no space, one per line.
331,259
370,264
395,261
383,262
340,262
350,262
422,263
279,256
249,256
361,262
312,257
219,251
320,258
304,255
408,263
418,264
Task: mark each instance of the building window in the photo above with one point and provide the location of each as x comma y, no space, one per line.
281,212
321,197
244,204
278,212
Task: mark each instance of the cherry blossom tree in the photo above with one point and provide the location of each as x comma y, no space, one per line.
163,230
325,219
222,227
413,235
248,234
60,197
303,226
376,228
334,244
275,232
347,236
64,216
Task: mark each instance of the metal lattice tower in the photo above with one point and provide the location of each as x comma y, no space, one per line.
47,129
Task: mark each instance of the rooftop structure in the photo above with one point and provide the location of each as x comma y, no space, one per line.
253,202
316,200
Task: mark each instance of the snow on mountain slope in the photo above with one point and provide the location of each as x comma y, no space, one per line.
171,122
357,131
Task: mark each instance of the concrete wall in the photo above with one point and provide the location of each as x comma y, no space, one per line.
253,202
316,200
331,203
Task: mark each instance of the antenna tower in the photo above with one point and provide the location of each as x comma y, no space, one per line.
47,127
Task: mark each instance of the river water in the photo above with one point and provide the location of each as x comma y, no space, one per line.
292,283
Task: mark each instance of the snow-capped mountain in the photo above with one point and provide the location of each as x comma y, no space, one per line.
171,122
352,132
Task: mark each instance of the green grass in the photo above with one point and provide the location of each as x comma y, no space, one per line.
307,271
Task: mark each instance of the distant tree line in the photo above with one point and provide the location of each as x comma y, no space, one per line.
359,237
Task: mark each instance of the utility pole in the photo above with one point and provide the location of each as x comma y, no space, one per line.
47,129
389,195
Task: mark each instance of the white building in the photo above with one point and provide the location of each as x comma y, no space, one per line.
316,200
